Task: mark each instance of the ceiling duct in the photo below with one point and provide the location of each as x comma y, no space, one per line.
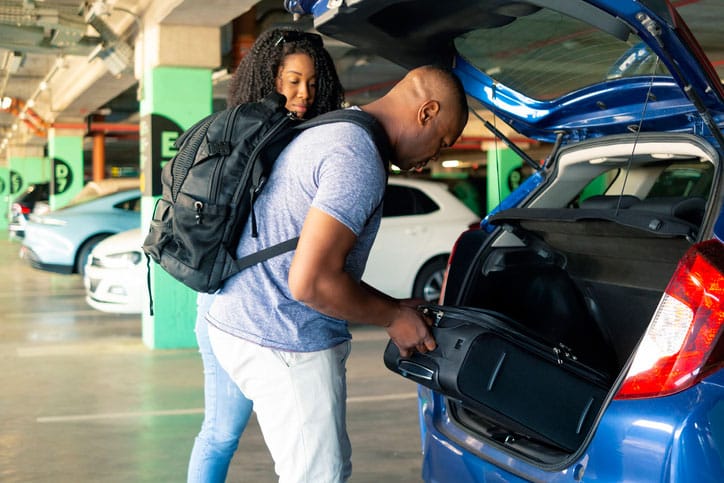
15,60
59,29
114,51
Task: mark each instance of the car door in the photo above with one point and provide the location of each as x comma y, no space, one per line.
401,244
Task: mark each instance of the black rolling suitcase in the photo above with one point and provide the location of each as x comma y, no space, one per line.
499,370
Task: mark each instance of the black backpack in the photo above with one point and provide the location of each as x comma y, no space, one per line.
210,185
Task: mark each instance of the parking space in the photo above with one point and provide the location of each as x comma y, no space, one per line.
85,400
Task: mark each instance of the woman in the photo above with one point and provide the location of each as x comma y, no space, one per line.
295,64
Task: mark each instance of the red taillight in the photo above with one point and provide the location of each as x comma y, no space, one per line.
18,208
677,350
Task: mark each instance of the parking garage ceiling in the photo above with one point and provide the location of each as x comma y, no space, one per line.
59,59
63,60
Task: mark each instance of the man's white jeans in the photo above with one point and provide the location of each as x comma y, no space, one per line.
299,400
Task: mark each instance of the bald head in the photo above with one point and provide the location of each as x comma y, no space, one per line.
428,82
424,112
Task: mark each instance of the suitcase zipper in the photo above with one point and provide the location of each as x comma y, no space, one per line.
561,352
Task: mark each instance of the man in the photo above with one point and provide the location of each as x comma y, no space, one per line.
279,328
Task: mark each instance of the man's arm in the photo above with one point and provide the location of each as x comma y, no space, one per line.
317,279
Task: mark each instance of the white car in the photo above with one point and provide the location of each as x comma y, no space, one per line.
115,274
421,221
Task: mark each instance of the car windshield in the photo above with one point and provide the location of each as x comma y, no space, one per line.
548,55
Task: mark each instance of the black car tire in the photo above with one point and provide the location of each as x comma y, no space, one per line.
428,282
84,252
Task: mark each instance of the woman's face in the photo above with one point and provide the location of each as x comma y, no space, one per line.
297,81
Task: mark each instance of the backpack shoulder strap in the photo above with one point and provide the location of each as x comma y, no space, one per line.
362,119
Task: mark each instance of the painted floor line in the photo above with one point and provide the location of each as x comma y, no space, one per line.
121,346
71,418
384,397
58,294
140,414
64,313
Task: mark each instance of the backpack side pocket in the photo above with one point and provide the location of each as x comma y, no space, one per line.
196,225
160,231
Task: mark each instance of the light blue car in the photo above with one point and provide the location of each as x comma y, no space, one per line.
580,334
61,240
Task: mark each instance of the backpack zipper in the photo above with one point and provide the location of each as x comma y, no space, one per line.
215,186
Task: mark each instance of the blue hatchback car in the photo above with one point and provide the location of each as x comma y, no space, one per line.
580,332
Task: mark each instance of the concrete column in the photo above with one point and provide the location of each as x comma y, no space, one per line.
176,93
65,150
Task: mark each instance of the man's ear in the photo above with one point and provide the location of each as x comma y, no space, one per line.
428,111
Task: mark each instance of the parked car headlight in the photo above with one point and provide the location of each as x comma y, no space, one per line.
119,260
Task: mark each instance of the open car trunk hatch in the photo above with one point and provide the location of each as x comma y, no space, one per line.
587,67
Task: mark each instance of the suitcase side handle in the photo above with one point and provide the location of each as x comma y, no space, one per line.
413,370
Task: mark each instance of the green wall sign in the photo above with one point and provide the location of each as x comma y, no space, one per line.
163,133
62,176
16,182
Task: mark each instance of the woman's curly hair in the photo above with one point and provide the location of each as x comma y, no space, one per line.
255,77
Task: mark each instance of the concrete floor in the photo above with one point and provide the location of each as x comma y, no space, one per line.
84,400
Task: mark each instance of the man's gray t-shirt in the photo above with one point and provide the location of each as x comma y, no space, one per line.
335,168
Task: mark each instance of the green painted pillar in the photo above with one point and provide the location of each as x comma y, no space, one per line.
174,98
597,186
5,197
65,150
504,174
27,168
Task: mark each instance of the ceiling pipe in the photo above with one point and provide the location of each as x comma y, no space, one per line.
28,116
99,156
98,127
244,30
475,142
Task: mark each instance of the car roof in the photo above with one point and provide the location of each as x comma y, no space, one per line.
97,189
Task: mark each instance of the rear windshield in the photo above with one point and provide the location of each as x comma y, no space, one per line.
545,54
677,180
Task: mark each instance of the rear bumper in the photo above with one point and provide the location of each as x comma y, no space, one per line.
32,258
675,438
16,230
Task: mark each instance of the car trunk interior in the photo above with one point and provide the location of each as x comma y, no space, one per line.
568,282
586,274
